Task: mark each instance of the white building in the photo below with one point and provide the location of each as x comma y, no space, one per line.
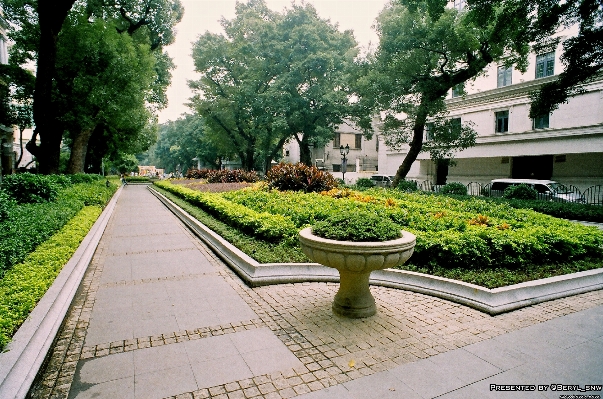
566,145
362,159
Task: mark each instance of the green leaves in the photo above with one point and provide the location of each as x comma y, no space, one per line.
273,77
358,227
28,225
23,286
259,224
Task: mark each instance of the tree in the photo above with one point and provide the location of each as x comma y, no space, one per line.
582,54
183,140
273,77
426,49
16,96
102,79
38,25
36,28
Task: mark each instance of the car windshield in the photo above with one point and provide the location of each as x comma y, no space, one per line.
559,188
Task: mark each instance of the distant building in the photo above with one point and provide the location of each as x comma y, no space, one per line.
150,171
362,160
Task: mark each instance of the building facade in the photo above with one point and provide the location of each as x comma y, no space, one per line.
566,145
362,159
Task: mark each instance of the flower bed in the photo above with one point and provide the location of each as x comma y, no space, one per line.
452,233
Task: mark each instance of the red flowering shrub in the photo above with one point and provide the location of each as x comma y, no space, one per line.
223,176
299,177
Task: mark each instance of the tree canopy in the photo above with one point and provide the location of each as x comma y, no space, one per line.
273,77
112,71
183,142
426,48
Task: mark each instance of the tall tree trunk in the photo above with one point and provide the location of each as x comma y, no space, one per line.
275,149
51,15
305,154
79,148
415,145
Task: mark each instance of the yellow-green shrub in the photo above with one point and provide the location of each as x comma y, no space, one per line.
22,286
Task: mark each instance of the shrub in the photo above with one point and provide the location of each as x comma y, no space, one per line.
26,188
363,182
522,192
565,210
299,177
223,176
84,178
96,193
358,227
137,179
259,224
454,189
6,205
61,180
407,185
23,286
29,225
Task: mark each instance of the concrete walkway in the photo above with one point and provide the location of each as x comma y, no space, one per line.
158,316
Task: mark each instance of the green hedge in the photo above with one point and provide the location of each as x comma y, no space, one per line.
28,225
565,210
259,224
469,233
22,287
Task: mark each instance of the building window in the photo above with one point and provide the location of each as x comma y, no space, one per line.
504,76
458,90
541,122
428,131
377,143
545,65
459,4
502,121
337,140
336,167
358,141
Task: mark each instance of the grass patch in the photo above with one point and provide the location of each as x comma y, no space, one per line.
25,283
261,251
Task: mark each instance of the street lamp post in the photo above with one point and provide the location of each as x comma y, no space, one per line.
344,151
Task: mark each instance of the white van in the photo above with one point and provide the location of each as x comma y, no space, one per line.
547,189
382,180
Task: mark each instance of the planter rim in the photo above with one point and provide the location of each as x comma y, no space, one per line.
407,240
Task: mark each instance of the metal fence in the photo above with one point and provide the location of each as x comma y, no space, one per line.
592,195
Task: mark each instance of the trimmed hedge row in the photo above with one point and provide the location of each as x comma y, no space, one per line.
25,226
258,224
223,175
22,287
565,210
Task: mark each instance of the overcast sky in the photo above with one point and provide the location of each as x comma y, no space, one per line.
204,15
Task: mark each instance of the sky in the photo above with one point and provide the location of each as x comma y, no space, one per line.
201,16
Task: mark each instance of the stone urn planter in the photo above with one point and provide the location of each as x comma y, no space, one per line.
355,261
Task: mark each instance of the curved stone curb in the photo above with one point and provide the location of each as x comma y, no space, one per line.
24,355
491,301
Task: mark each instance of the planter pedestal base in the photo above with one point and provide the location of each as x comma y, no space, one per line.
354,299
355,261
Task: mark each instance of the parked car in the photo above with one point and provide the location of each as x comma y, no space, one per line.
547,189
382,180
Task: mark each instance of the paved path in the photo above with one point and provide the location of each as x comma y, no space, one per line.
158,315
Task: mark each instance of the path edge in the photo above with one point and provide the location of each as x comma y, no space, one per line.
491,301
25,354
